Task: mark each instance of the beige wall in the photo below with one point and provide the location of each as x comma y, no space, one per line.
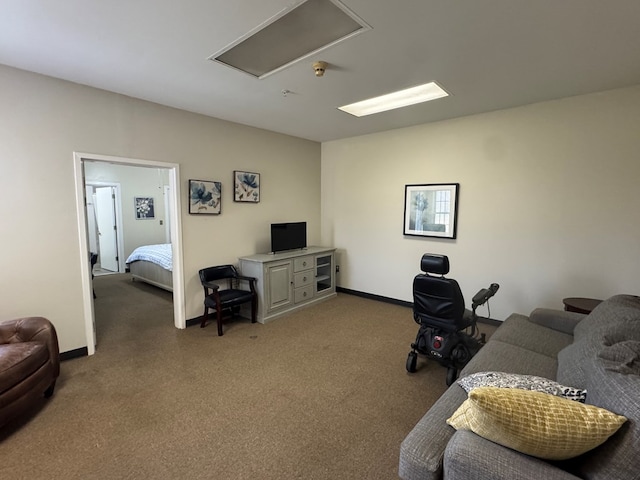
548,195
548,207
44,120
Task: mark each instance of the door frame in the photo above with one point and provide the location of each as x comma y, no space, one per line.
118,215
166,192
179,305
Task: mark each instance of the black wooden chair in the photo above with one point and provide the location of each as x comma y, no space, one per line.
220,299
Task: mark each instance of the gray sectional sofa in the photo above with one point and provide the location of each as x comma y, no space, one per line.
599,352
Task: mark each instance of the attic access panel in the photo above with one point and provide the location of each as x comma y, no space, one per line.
291,35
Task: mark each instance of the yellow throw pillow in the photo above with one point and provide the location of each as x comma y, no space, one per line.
535,423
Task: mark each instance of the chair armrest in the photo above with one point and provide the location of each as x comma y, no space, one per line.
470,456
32,329
251,280
248,279
559,320
212,285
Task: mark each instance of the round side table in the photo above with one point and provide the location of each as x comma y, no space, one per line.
580,304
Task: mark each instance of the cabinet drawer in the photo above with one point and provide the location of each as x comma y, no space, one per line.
303,278
303,294
302,263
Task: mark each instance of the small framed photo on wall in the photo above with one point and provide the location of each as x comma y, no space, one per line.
144,208
205,197
246,187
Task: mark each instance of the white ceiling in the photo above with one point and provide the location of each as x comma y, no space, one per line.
488,54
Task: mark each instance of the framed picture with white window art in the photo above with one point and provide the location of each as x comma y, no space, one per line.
431,209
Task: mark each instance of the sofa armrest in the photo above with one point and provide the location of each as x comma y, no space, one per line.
422,450
559,320
471,456
32,329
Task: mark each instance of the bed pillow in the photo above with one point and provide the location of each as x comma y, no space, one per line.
535,423
523,382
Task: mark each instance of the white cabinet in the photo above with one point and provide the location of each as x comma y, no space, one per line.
289,280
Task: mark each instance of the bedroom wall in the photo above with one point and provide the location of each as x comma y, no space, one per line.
135,182
548,202
44,120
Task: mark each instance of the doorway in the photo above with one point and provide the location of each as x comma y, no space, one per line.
175,234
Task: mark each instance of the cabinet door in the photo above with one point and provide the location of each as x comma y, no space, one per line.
324,280
279,288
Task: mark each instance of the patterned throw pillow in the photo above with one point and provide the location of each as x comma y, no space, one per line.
523,382
535,423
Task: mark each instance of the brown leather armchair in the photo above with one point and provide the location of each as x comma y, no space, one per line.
29,364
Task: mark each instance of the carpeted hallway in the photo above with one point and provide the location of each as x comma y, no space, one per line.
319,394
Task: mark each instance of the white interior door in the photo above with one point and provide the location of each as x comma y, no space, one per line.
107,233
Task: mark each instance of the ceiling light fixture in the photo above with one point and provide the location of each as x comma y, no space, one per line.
303,29
402,98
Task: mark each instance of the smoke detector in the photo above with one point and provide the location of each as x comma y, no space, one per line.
319,68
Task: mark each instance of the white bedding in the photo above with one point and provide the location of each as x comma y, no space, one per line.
158,254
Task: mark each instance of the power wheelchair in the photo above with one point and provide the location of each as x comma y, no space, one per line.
448,332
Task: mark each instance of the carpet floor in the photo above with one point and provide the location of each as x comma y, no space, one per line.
321,393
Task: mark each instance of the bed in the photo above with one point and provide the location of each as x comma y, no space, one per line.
152,264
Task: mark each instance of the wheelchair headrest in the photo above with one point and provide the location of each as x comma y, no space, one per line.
431,263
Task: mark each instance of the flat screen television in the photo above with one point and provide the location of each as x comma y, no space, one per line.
288,236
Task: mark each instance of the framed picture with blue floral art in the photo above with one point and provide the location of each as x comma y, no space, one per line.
246,187
144,208
205,197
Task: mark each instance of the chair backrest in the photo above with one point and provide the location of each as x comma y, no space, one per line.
219,272
438,301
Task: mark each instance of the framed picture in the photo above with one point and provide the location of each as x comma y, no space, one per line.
430,210
144,208
205,197
246,187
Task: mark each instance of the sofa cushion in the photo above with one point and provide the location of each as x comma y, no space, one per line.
611,317
615,320
505,357
469,456
524,382
535,423
518,330
19,360
622,357
614,390
571,362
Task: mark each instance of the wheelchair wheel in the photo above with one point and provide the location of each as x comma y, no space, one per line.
461,355
412,360
452,374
